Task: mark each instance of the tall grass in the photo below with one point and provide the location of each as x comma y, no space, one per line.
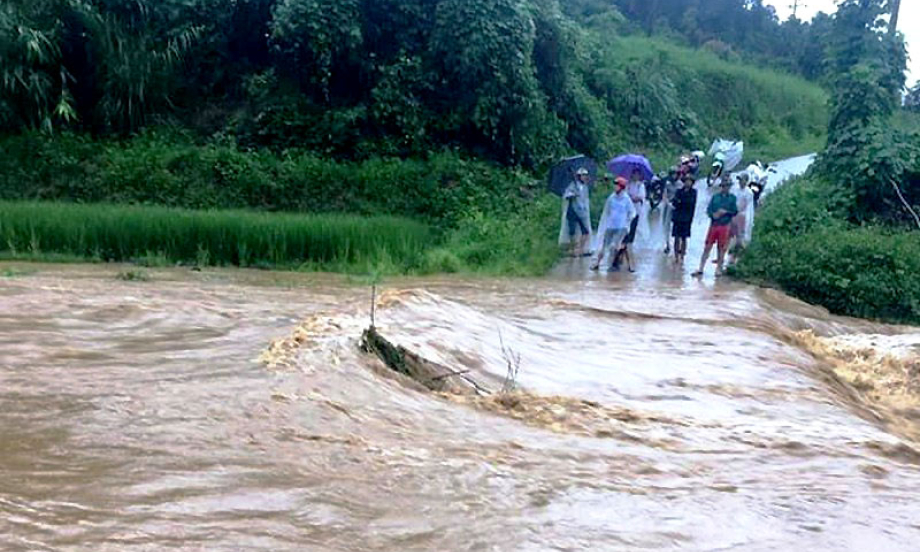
242,238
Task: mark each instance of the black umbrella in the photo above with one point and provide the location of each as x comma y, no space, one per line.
563,173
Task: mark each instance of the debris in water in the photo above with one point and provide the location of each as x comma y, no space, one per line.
433,376
558,414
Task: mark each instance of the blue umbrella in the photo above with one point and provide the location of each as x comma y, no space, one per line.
563,173
624,166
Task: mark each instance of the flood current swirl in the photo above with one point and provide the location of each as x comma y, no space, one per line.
233,410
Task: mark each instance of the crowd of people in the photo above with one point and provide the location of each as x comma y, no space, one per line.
730,210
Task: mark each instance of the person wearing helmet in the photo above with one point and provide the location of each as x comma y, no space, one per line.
684,166
694,164
718,166
619,211
576,200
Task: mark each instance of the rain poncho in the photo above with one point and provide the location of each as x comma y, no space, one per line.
619,211
636,191
744,222
578,193
671,185
758,178
730,152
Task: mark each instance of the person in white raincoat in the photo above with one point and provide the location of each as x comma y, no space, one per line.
636,190
619,212
575,232
743,223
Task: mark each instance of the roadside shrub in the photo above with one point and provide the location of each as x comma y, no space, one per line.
167,168
803,244
800,205
519,242
864,272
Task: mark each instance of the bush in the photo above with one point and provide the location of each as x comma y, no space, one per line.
167,168
803,245
517,241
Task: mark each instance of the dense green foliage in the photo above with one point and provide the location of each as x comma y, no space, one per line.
484,218
844,236
515,81
803,244
730,28
124,233
674,95
170,170
866,153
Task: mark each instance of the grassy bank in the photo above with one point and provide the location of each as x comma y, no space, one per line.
484,218
169,168
803,244
517,243
160,235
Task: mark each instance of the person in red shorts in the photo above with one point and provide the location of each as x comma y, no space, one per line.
723,207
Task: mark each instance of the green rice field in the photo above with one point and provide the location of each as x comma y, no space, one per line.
160,236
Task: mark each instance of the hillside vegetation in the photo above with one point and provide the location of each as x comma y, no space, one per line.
516,81
447,111
847,236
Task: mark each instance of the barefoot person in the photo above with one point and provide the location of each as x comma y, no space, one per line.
577,214
722,209
619,212
684,207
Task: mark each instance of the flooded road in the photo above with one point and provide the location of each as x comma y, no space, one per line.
232,410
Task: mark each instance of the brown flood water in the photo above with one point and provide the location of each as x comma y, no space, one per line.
231,410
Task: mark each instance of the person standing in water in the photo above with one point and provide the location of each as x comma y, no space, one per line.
722,209
577,213
671,186
635,190
619,212
684,206
743,221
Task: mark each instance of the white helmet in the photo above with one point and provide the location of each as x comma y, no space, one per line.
582,172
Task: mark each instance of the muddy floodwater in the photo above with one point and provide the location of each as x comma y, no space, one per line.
233,410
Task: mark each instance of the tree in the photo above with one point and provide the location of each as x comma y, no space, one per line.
34,87
912,100
863,154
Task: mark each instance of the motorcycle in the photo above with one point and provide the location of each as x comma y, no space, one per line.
758,174
655,192
727,154
718,167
